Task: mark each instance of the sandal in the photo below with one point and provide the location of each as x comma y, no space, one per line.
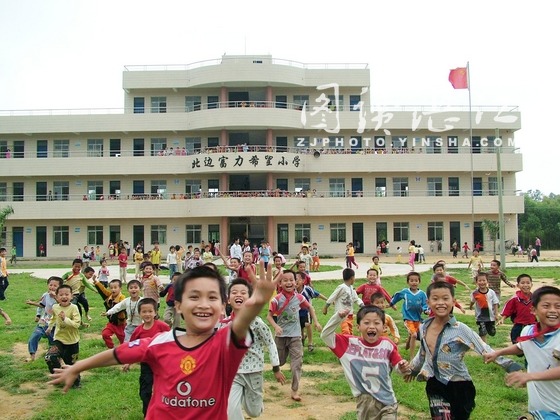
310,348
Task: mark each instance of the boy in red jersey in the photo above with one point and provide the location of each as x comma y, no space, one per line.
520,308
367,290
183,361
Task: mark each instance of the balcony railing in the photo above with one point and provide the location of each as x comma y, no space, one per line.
275,193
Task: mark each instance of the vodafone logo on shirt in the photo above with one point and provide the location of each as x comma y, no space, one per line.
184,389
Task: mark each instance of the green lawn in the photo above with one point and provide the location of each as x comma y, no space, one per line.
494,399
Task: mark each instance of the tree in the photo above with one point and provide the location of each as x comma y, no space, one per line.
4,213
492,228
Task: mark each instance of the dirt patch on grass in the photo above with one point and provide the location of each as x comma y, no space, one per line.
23,405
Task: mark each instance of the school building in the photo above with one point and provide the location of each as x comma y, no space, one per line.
262,148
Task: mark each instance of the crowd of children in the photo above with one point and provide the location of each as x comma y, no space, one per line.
232,346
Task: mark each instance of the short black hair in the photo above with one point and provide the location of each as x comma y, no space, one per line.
541,291
196,273
116,281
498,263
147,264
438,265
63,286
244,282
89,270
77,261
55,278
519,277
147,301
440,285
372,269
376,295
367,309
413,273
134,281
347,274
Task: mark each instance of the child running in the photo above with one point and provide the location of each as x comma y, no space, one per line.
78,281
115,323
371,287
46,303
520,307
304,320
415,303
486,305
440,359
182,361
390,329
540,343
496,277
248,385
65,322
150,327
367,362
130,304
344,297
283,315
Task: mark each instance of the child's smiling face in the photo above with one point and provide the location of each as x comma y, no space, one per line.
371,327
548,311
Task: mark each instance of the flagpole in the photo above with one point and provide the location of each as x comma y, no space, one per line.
471,150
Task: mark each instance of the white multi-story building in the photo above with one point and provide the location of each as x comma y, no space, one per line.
251,146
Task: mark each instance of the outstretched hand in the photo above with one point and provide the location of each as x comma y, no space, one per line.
264,285
65,376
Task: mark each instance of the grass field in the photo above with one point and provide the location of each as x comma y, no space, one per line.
109,392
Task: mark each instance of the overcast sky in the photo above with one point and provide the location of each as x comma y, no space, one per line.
70,54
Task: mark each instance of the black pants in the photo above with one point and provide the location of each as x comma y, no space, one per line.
454,401
81,300
69,353
4,283
146,384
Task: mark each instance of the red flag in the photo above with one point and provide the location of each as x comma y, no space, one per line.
458,78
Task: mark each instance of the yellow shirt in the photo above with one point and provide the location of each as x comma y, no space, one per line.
67,331
156,256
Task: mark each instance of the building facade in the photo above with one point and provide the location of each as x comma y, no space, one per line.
257,148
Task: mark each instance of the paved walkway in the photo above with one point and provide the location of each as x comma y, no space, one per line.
389,269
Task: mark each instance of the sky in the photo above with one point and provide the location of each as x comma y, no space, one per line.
69,54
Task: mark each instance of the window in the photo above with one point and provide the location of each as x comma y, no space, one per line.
138,147
213,141
493,143
213,102
194,234
300,101
434,145
302,184
115,188
42,148
338,232
337,187
193,144
453,184
301,141
400,231
399,144
138,187
355,103
159,104
282,184
114,147
213,233
139,105
159,188
3,191
18,191
95,190
192,187
61,235
95,235
333,104
381,187
213,187
282,144
158,233
435,231
61,189
192,103
477,186
493,185
158,146
435,187
452,144
380,143
95,148
302,230
400,187
61,148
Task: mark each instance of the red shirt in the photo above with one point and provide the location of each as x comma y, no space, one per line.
123,260
141,332
367,290
189,383
518,308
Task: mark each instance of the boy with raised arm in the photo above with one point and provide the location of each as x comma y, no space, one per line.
193,369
